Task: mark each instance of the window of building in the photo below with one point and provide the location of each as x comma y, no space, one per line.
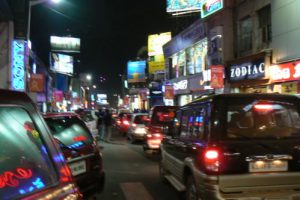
264,19
245,35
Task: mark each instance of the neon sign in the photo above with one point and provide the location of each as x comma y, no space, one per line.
209,7
12,179
18,66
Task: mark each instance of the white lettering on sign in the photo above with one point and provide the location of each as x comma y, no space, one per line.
239,71
297,71
181,85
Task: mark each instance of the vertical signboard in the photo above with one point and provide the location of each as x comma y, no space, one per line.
18,66
217,76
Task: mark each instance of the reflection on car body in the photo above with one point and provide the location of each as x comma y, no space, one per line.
234,146
31,164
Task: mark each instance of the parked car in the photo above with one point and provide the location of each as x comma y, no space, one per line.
31,163
137,126
160,118
80,150
235,146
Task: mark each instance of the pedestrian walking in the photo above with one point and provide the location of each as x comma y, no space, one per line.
107,120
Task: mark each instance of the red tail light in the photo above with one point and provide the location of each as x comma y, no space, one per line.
133,125
263,107
125,122
212,159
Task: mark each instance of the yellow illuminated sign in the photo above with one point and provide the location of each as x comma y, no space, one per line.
155,51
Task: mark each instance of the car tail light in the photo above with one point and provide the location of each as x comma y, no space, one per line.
133,125
263,107
125,122
212,159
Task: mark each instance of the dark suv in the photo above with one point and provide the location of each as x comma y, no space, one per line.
31,163
235,146
80,150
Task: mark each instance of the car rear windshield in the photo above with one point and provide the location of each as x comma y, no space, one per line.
69,130
262,119
162,116
25,165
141,119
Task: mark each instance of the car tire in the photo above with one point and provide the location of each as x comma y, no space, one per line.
191,189
162,173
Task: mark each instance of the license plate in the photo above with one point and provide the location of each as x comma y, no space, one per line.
268,166
78,168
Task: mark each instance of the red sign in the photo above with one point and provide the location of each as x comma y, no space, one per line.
58,96
36,83
169,92
285,72
217,76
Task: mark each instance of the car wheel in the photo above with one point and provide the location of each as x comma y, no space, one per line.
162,173
191,189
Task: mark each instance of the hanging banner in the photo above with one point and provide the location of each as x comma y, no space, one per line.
169,92
217,76
37,83
58,96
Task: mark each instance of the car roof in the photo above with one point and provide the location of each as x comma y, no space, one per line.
62,114
14,97
244,95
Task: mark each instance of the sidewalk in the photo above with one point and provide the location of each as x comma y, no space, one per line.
114,138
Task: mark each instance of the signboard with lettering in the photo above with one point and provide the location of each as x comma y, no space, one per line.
37,83
251,70
285,72
18,66
209,7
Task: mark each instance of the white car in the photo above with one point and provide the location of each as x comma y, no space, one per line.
137,127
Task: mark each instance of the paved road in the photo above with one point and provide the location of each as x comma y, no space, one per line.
130,175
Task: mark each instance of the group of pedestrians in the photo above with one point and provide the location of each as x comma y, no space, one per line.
104,123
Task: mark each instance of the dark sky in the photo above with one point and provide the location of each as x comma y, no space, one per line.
111,32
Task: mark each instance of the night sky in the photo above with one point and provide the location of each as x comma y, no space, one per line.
111,32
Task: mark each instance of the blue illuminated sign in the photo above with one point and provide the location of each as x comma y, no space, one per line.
18,66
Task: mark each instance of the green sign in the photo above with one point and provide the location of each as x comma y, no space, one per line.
209,7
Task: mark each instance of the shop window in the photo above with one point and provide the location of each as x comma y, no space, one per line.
264,19
200,56
190,61
198,128
181,64
245,35
175,66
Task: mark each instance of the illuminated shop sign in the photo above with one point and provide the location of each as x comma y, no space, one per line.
18,66
65,44
181,6
248,71
285,72
209,7
181,85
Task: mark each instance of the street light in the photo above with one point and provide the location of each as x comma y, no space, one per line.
88,77
34,3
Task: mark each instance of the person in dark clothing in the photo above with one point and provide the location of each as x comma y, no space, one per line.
107,120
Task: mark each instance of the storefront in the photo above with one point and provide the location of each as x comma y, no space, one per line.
285,77
249,74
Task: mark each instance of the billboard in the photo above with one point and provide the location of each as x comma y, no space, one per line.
155,51
136,71
209,7
65,44
183,5
61,63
